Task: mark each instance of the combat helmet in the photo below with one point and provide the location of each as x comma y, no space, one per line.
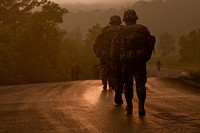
130,15
115,20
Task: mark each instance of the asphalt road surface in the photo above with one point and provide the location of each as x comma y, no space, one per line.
82,107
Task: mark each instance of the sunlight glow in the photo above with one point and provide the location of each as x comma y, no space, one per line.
93,1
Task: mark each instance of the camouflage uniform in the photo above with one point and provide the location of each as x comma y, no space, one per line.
97,47
105,46
133,46
98,50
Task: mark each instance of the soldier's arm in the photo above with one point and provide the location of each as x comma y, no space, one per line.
114,53
96,46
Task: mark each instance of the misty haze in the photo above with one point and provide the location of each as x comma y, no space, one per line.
52,79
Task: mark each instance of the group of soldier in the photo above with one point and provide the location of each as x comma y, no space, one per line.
123,51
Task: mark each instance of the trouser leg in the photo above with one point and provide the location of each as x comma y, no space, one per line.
118,83
129,88
104,77
141,78
140,75
129,93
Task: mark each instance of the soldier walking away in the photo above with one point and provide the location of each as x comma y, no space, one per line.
110,34
98,51
134,45
102,49
159,64
75,72
114,65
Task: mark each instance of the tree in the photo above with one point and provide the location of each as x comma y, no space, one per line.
36,37
71,50
76,50
16,12
92,34
40,44
166,44
88,49
190,47
8,55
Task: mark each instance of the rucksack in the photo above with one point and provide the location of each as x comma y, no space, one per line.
137,43
109,34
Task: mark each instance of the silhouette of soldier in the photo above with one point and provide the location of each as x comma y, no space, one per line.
98,50
115,67
75,72
102,47
159,64
133,45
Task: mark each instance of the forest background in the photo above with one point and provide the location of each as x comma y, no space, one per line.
41,40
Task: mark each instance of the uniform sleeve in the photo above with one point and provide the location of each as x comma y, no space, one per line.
114,53
96,46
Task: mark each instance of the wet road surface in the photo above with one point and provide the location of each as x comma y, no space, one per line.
83,107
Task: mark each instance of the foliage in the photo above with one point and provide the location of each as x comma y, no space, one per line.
71,50
92,34
75,49
195,76
173,16
190,47
30,41
34,49
7,55
166,44
88,49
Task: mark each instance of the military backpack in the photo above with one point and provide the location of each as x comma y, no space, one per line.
137,44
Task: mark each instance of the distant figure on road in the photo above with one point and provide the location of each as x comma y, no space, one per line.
75,72
159,64
96,72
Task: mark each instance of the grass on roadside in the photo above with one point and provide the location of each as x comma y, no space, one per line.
194,78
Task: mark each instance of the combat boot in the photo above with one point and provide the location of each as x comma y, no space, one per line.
118,98
129,109
105,87
111,86
118,95
141,109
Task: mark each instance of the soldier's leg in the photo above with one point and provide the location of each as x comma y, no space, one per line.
110,77
120,85
129,90
104,77
141,79
118,92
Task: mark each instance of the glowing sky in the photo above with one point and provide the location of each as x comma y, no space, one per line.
93,1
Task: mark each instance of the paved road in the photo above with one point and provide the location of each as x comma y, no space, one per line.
82,107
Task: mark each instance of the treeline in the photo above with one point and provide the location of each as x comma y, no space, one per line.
32,46
164,18
183,52
29,41
176,17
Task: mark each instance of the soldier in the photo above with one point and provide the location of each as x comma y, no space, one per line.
75,72
134,45
105,46
158,64
97,48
